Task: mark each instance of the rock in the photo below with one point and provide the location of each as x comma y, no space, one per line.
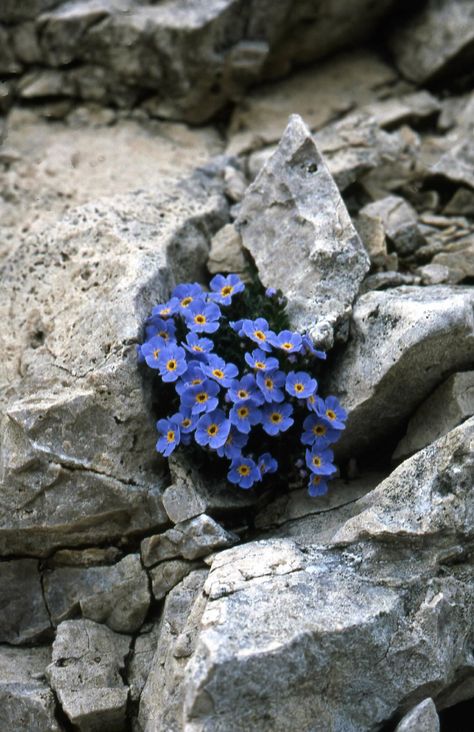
449,405
319,94
23,615
227,254
141,659
420,336
436,41
26,701
433,274
407,109
93,557
116,595
367,613
461,204
423,718
458,258
235,183
78,462
85,674
190,539
167,575
400,222
162,698
457,164
294,212
383,280
372,232
397,167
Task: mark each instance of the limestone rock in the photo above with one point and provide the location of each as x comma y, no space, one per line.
400,222
26,701
293,212
162,698
423,718
435,42
116,595
85,674
78,459
141,659
167,575
384,280
458,258
190,539
457,164
407,109
226,254
461,204
449,405
23,615
372,232
420,336
433,274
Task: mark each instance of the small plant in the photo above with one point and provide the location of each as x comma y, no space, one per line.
241,388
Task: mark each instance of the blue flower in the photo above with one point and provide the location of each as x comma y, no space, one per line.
308,345
259,361
287,341
236,326
140,356
245,414
267,464
186,295
199,347
222,372
258,331
223,288
317,486
331,411
166,309
233,445
276,418
319,461
318,432
202,317
170,436
311,403
212,429
201,398
151,350
156,326
270,292
270,383
245,388
244,472
300,384
172,362
186,421
192,377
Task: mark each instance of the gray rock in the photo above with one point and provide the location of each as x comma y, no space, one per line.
400,222
457,164
367,614
78,458
93,557
449,405
458,258
433,274
407,109
85,674
293,212
162,699
167,575
116,595
420,336
190,539
141,659
423,718
384,280
23,615
372,232
26,701
435,41
227,254
461,204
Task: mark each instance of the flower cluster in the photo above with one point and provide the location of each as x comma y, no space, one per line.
234,408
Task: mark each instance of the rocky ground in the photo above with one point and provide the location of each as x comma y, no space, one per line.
147,143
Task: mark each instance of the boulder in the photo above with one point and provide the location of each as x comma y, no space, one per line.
293,212
420,336
85,673
23,615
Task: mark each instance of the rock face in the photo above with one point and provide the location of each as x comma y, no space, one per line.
23,615
293,212
370,614
419,335
77,455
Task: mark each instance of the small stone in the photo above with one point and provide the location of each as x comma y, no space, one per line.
449,405
85,557
189,539
141,661
293,212
372,232
384,280
461,204
406,109
433,274
226,253
85,673
400,222
422,718
23,615
167,575
457,164
459,260
235,183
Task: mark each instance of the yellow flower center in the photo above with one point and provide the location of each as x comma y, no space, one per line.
170,436
163,334
330,414
171,365
287,346
260,365
299,388
319,430
260,335
195,382
243,412
198,348
186,301
242,394
269,383
202,397
186,422
156,352
316,479
212,430
200,319
218,373
311,399
243,469
276,417
227,290
317,461
165,311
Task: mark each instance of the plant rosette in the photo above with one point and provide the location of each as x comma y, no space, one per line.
239,386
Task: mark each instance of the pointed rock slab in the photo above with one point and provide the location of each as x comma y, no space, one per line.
423,718
295,224
403,343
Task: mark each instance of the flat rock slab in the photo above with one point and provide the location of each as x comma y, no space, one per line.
436,42
85,674
420,336
296,227
23,614
26,701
